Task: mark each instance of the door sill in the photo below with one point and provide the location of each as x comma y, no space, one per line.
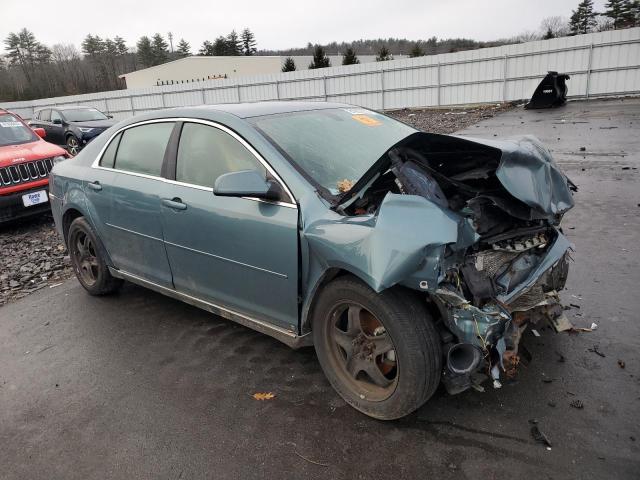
285,336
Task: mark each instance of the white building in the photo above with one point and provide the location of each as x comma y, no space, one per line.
200,68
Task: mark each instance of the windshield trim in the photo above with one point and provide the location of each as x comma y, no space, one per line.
326,194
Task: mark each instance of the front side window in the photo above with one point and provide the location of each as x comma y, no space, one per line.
207,152
45,115
13,131
142,148
55,116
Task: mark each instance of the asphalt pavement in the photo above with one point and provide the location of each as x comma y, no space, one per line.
137,385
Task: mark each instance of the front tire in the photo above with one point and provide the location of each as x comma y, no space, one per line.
380,351
73,145
87,259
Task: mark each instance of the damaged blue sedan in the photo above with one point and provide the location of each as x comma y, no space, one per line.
407,259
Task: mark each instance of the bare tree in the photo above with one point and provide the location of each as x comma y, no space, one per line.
557,26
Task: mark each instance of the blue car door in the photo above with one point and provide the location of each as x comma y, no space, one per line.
238,253
129,194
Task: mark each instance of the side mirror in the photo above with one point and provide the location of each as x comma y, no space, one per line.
57,121
41,132
246,183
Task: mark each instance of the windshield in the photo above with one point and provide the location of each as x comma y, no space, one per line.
334,147
84,115
13,131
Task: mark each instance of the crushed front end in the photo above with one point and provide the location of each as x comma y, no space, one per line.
509,259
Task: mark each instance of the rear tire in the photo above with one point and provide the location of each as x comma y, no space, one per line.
380,351
88,259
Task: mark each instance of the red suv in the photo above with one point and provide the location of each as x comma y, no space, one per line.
25,163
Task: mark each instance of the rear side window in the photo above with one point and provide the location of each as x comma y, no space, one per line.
142,148
108,159
207,152
45,115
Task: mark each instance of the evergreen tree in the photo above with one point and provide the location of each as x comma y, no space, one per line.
248,42
349,57
145,51
24,51
160,49
121,46
220,47
583,18
92,45
289,65
234,45
383,54
320,59
416,51
184,49
620,12
206,49
548,35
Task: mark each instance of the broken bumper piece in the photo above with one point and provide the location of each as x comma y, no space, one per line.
487,337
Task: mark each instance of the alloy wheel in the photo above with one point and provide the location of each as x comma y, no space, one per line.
86,261
73,146
363,351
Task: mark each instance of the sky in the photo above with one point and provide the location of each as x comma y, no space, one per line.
279,24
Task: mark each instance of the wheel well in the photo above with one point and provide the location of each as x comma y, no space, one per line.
68,217
333,273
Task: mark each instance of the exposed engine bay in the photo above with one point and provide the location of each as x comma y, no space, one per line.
510,258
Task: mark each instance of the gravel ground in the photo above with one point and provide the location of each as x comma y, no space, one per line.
33,257
448,120
36,258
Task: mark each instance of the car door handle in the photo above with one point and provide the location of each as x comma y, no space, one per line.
174,203
95,186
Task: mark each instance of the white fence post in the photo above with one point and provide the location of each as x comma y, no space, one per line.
505,76
439,84
382,89
589,69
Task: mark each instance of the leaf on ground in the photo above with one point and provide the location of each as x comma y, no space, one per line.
263,396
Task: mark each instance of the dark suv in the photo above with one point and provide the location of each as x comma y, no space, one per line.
71,127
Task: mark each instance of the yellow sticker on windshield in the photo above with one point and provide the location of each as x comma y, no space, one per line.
366,120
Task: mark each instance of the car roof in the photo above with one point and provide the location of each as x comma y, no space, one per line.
68,107
256,109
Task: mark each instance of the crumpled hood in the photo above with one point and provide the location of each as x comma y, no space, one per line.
529,173
523,166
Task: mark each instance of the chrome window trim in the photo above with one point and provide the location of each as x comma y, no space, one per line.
253,151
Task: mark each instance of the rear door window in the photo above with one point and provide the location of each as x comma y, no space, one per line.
45,115
207,152
141,149
108,159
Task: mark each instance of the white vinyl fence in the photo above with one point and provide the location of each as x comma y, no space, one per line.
600,64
